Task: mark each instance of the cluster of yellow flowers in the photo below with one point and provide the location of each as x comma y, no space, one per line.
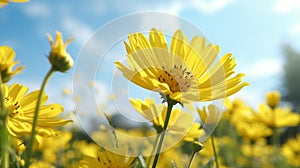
26,119
184,73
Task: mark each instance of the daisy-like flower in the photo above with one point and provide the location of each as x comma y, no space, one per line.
253,131
107,159
20,112
278,117
7,56
180,123
58,57
185,73
5,2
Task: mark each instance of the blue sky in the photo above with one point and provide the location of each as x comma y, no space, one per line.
253,31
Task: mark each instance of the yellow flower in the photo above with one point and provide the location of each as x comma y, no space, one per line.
52,146
253,130
59,58
180,123
7,56
213,112
257,149
273,98
291,151
278,117
21,107
185,73
5,2
107,159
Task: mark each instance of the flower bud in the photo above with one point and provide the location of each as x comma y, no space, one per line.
58,57
273,98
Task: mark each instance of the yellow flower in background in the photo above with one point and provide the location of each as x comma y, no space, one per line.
236,111
185,73
21,107
253,130
278,117
58,57
273,98
50,147
211,110
107,159
258,149
181,123
5,2
291,151
7,56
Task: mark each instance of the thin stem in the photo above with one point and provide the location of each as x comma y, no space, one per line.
36,114
192,159
170,106
154,147
3,132
276,144
215,151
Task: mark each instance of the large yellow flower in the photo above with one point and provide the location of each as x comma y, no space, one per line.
188,72
180,123
20,112
7,56
5,2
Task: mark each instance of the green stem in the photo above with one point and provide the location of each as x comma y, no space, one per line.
169,110
152,152
215,151
192,159
276,144
36,114
4,147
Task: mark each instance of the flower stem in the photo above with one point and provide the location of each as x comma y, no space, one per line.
4,145
215,151
36,114
192,159
171,103
152,152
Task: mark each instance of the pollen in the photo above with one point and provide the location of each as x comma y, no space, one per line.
178,78
13,108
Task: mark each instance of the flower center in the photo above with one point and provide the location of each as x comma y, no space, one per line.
178,78
13,108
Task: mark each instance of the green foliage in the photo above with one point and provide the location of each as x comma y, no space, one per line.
291,80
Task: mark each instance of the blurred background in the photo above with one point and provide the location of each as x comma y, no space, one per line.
264,37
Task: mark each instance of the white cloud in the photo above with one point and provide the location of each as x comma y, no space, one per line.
205,6
264,68
295,29
37,9
210,6
77,29
287,6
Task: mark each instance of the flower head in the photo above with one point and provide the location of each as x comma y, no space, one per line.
58,57
20,112
273,99
7,56
185,73
180,123
278,117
